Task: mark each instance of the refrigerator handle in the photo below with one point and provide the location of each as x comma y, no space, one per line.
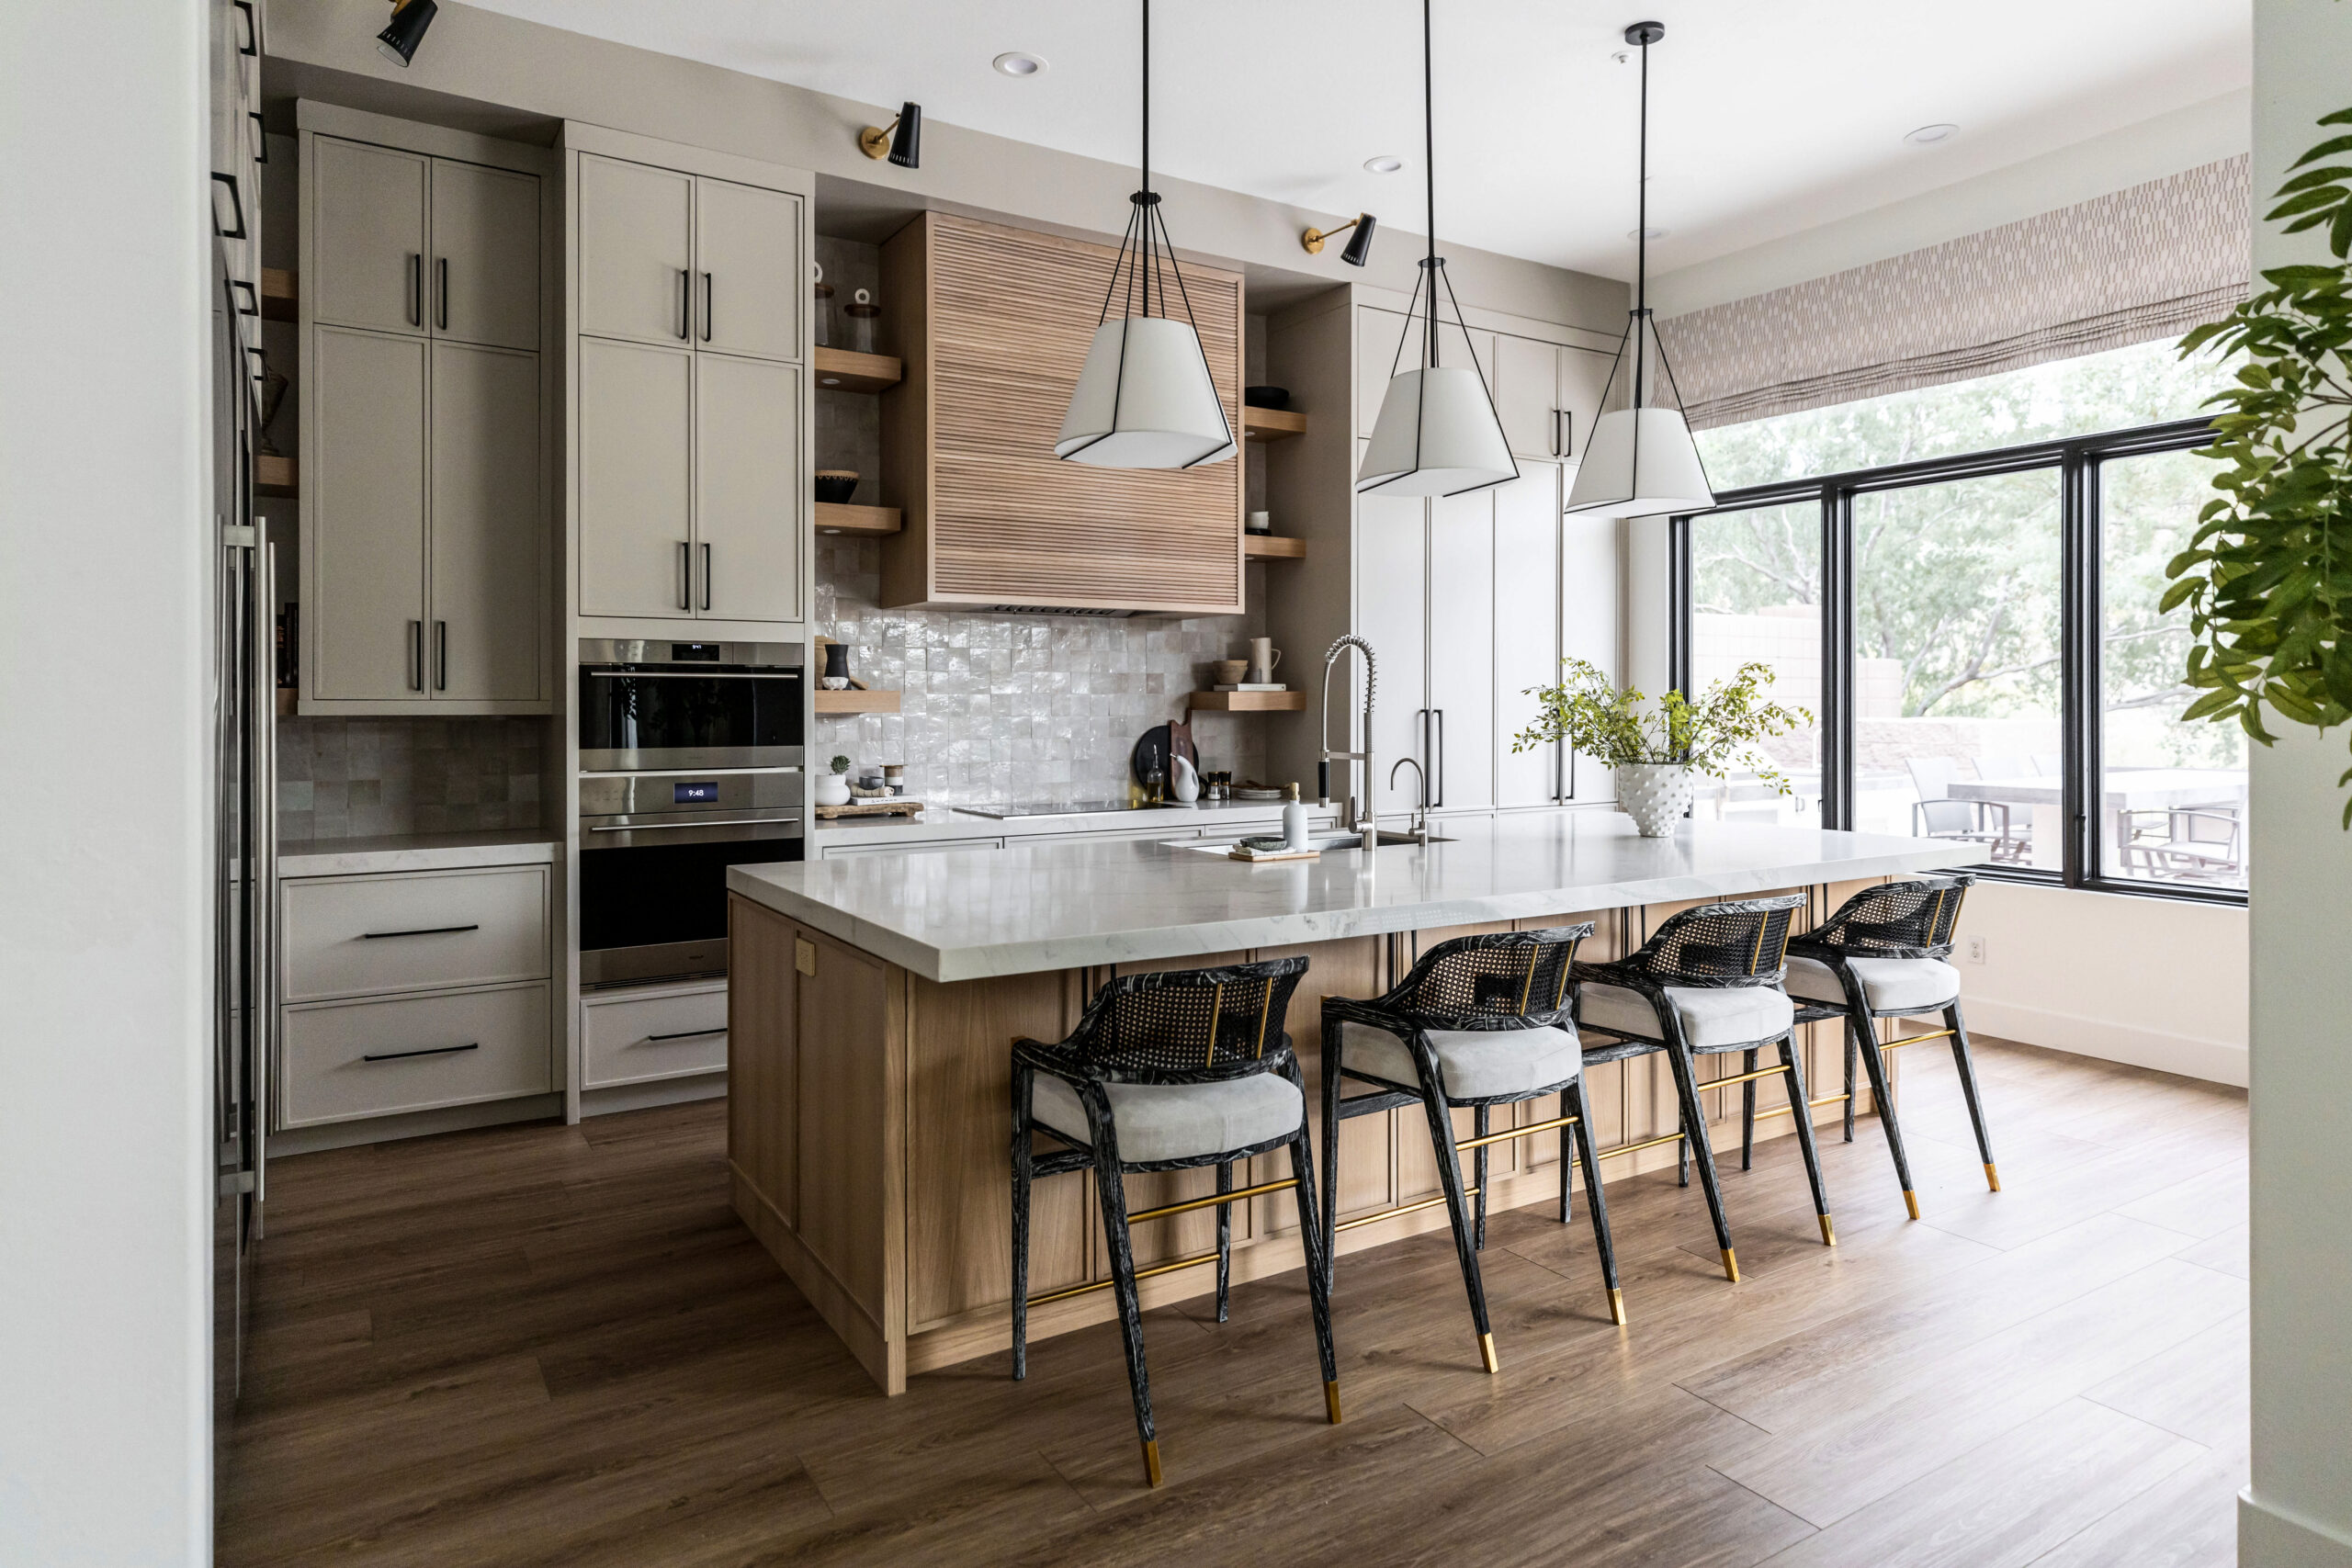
262,889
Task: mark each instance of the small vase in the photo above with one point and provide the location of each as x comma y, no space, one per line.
833,789
1655,794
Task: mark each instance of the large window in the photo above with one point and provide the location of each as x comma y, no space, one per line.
1977,636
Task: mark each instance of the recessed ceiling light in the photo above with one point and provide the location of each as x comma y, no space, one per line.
1929,135
1386,164
829,380
1652,234
1016,64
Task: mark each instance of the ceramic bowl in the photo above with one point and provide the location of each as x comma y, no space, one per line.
835,486
1230,670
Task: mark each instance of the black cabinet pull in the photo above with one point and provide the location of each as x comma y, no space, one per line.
687,1034
706,307
1439,791
1555,433
685,575
441,292
250,303
705,577
236,228
415,290
261,137
428,1051
1567,446
440,656
685,305
420,931
252,46
416,656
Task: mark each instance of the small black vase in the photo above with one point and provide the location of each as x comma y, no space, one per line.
836,662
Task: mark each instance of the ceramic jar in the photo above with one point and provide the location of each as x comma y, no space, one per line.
1655,794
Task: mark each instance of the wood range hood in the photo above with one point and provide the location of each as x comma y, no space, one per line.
993,324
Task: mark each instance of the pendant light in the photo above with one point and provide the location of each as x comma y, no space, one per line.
1145,399
1437,433
1641,461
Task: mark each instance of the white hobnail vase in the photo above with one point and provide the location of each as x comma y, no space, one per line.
833,789
1655,794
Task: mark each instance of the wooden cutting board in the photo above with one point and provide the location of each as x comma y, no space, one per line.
897,806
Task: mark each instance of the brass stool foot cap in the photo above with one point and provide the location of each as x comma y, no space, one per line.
1911,1201
1151,1462
1828,1232
1617,1308
1486,1353
1331,1402
1730,1267
1992,1176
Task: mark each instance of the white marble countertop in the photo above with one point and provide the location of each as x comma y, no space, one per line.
1022,909
415,851
939,822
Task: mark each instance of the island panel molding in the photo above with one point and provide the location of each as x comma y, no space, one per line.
992,325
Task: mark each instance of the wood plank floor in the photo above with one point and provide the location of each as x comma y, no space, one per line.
549,1345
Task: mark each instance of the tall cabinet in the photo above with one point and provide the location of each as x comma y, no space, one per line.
425,531
691,498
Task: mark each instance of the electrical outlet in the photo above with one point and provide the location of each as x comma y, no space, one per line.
1977,949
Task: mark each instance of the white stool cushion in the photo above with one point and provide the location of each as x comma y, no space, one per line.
1711,1015
1916,984
1157,1122
1472,1064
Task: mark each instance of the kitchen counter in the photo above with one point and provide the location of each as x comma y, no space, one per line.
872,1000
939,822
416,852
1071,905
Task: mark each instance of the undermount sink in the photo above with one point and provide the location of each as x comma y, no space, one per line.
1356,840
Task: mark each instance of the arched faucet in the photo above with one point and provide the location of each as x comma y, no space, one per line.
1366,822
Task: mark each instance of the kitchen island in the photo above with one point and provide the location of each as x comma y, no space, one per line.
873,1002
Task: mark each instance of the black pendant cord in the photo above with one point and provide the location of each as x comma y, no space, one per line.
1147,165
1429,173
1642,239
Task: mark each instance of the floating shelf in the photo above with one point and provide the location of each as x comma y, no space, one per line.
856,701
1244,702
1269,547
1268,424
274,476
834,518
840,370
279,301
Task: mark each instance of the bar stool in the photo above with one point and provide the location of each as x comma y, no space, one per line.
1707,982
1480,1021
1168,1072
1885,955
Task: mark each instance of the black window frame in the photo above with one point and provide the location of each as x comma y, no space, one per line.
2079,461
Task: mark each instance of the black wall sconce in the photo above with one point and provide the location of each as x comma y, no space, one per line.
399,39
905,149
1359,249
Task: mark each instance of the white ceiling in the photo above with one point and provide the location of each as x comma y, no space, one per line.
1767,116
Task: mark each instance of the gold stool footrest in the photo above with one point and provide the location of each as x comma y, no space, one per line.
1816,1104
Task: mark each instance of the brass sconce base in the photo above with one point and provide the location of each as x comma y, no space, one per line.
875,141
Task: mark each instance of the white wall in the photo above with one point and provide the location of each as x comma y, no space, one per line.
2154,982
105,958
2298,1512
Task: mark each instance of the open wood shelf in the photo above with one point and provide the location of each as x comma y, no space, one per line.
274,476
835,518
840,370
1271,425
280,301
855,700
1270,547
1248,702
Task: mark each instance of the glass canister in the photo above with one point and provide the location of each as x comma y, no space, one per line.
823,325
861,311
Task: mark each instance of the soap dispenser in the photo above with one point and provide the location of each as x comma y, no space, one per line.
1294,822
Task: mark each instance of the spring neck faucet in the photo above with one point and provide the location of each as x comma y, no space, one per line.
1366,821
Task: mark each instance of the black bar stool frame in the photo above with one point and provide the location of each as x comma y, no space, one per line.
1195,1026
1911,919
1738,944
1504,981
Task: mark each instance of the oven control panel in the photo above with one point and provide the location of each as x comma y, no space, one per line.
701,792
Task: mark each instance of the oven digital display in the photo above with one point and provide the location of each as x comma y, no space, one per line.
702,794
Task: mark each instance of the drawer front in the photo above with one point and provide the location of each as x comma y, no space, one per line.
668,1032
344,1060
350,936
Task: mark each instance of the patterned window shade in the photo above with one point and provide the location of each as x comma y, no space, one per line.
2148,262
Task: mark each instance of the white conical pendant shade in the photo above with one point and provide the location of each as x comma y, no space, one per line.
1145,400
1436,435
1640,463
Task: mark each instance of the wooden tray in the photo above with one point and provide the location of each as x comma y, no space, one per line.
898,806
1263,856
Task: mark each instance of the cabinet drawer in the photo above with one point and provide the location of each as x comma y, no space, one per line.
425,1051
348,936
668,1032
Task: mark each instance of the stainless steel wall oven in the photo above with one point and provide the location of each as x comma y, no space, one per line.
690,705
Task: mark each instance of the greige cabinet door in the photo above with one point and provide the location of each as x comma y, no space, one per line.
636,251
367,235
749,277
366,500
1392,612
487,637
749,488
484,278
1381,343
1591,567
1527,395
1584,375
636,478
1527,628
1461,649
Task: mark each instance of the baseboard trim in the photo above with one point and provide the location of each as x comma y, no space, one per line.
414,1124
646,1096
2271,1536
2214,1061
